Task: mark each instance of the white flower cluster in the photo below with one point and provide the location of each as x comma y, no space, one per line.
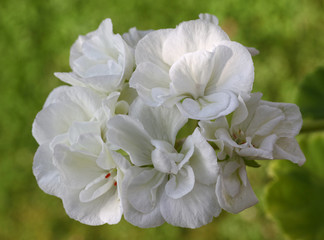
110,145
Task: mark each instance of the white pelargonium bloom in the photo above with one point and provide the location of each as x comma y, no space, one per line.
194,66
73,162
258,130
164,184
100,60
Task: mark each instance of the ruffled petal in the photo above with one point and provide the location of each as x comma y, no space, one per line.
133,36
193,71
210,107
288,148
96,188
189,37
238,73
76,169
165,157
130,135
264,121
233,190
204,160
134,216
161,123
208,128
193,210
146,79
88,99
78,129
263,150
105,209
142,191
181,183
292,124
47,175
55,120
149,49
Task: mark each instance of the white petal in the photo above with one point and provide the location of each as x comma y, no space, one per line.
79,128
88,143
264,150
238,73
191,36
148,77
86,98
99,83
133,36
292,124
224,141
143,190
181,183
76,169
288,148
55,120
209,18
251,105
192,210
105,159
161,123
149,49
130,135
241,113
70,78
210,107
55,95
47,175
112,211
204,160
126,59
264,121
208,128
253,51
165,157
105,209
234,198
96,188
193,71
122,163
135,217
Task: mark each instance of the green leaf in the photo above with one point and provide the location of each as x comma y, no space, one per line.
295,197
311,95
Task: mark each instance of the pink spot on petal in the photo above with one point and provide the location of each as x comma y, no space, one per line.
108,175
115,184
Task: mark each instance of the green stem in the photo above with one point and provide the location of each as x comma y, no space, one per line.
310,126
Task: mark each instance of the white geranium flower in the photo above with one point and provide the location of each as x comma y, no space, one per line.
164,184
195,66
258,130
73,162
101,60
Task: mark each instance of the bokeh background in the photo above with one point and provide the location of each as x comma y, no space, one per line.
35,38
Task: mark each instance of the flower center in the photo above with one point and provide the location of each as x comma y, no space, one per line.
239,137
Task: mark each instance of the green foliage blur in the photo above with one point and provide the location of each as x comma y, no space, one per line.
35,38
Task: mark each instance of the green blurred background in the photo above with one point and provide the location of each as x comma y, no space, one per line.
35,39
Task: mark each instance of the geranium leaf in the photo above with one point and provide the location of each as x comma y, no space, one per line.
311,95
294,199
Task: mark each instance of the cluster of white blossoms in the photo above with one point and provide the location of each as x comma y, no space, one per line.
110,142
